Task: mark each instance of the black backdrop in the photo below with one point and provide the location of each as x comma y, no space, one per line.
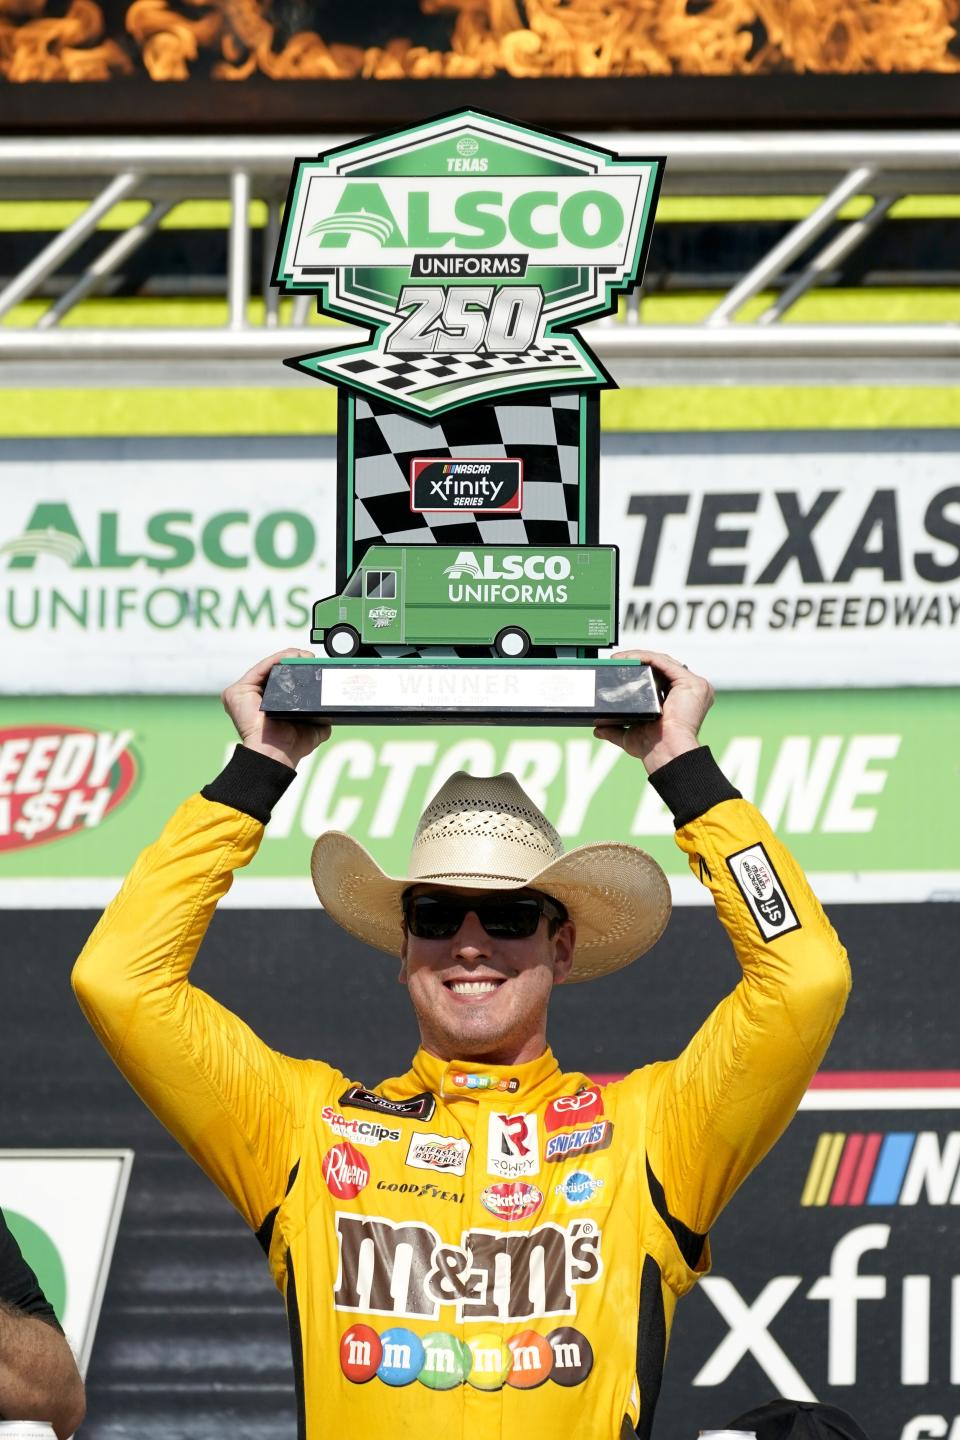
192,1338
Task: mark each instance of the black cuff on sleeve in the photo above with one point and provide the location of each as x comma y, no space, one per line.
250,782
691,784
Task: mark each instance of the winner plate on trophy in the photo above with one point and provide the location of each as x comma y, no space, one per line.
470,584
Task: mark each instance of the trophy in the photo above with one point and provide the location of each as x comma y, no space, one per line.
470,581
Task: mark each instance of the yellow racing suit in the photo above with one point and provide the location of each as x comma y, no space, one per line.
472,1251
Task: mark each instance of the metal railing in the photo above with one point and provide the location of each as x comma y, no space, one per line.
723,348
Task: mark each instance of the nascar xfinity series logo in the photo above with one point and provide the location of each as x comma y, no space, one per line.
468,244
443,485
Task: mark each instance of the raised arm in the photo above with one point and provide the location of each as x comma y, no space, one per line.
719,1107
39,1379
233,1103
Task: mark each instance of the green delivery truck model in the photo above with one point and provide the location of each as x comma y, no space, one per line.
510,597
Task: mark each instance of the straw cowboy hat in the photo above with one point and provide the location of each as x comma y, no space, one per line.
487,834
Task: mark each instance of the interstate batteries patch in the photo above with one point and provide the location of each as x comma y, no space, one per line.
487,485
762,889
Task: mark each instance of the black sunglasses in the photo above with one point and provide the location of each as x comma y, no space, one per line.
504,917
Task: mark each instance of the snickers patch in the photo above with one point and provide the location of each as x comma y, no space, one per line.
577,1142
763,891
415,1107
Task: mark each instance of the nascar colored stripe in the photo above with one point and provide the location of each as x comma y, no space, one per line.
892,1165
860,1169
822,1169
847,1170
864,1169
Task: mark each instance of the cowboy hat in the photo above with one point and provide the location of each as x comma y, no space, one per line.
486,834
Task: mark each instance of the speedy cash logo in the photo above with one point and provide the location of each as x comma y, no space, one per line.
404,1270
58,779
487,1361
364,1132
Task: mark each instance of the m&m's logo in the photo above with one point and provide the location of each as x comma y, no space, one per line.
465,1081
487,1361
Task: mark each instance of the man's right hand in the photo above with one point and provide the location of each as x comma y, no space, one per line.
280,739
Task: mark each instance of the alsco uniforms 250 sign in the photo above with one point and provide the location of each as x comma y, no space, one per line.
469,244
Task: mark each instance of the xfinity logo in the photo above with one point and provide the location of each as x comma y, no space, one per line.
851,1292
472,485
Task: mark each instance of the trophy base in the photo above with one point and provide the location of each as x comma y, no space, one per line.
451,691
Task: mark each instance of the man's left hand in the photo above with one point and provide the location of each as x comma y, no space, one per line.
688,698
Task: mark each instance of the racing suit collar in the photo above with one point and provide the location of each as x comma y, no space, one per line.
476,1081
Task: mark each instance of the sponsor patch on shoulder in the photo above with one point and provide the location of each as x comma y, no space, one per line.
762,889
415,1107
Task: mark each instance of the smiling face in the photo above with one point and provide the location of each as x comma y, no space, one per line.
477,997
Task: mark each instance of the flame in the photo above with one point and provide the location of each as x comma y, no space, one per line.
533,39
57,48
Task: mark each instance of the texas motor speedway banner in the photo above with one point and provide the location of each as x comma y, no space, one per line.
791,559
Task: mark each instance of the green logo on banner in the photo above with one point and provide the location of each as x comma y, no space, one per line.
43,1257
469,245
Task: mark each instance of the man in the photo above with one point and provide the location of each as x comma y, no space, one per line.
484,1246
39,1379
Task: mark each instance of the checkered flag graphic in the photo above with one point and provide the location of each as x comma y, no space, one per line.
543,430
450,379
